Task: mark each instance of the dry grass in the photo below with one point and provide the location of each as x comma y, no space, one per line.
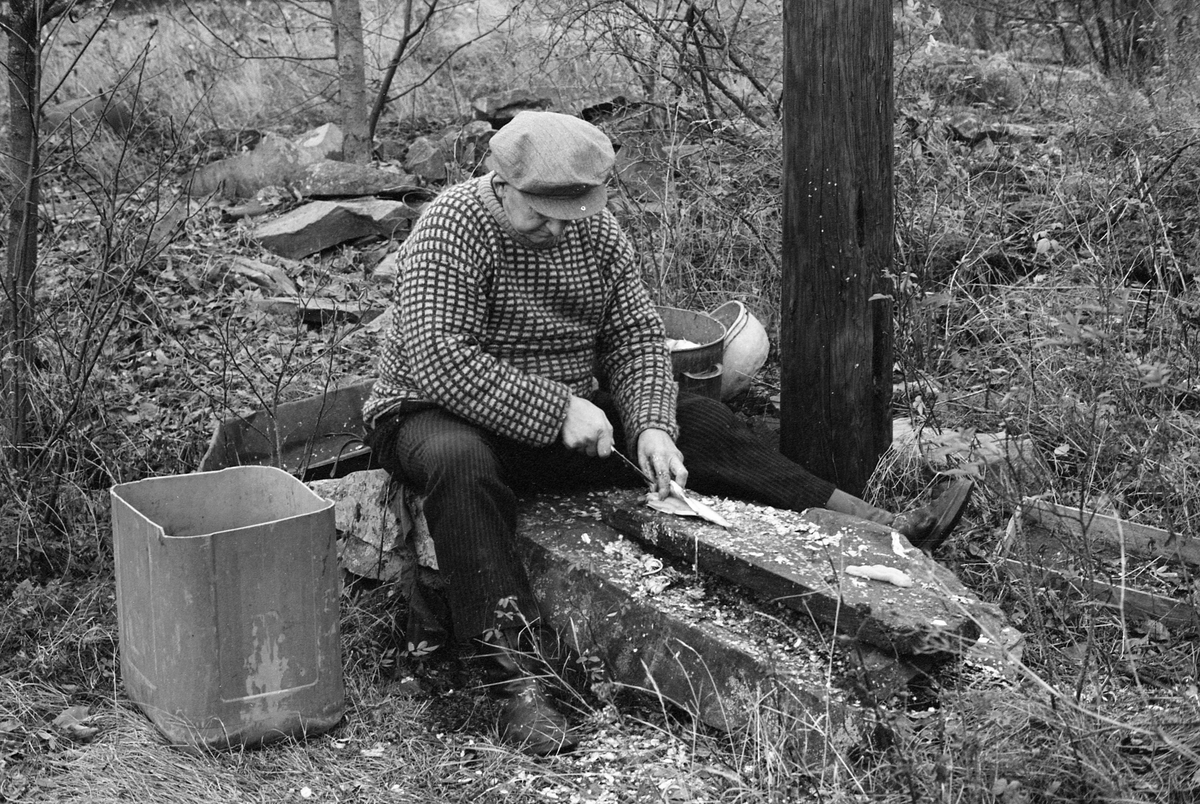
401,741
1045,288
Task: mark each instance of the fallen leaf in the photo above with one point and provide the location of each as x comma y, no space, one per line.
71,715
73,723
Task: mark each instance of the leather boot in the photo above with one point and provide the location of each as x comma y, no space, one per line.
528,719
927,527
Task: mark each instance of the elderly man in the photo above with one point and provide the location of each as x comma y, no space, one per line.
525,350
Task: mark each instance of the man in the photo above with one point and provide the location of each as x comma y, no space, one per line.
524,351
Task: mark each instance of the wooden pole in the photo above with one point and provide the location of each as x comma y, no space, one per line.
836,328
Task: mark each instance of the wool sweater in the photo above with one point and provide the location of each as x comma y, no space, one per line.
503,335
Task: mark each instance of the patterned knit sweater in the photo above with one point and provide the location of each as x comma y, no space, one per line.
502,334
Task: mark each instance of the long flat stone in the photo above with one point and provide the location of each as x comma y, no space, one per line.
659,630
319,225
801,559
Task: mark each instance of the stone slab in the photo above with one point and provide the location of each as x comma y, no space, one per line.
801,560
657,628
273,162
659,631
319,225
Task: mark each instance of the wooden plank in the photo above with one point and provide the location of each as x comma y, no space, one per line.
1072,526
1045,541
313,438
800,560
1128,602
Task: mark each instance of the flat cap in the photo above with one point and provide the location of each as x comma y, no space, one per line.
559,162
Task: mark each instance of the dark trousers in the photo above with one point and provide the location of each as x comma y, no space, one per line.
470,479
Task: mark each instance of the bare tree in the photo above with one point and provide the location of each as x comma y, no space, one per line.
22,22
352,82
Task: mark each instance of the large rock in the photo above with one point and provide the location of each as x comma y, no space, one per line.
319,225
323,142
329,178
469,144
645,626
275,162
376,535
427,159
501,107
463,147
105,108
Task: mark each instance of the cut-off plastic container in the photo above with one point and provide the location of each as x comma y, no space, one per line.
227,602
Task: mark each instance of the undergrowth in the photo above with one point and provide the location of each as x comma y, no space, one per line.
1045,287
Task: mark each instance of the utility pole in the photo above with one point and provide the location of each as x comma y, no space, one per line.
836,333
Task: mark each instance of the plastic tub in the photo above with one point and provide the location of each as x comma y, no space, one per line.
745,350
227,603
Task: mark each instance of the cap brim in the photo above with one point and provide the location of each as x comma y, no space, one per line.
572,208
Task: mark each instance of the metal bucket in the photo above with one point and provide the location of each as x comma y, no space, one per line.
697,367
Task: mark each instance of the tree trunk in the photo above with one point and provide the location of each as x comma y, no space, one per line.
352,82
836,339
17,315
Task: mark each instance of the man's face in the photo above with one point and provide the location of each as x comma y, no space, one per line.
538,230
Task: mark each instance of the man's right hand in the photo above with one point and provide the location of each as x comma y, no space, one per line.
587,429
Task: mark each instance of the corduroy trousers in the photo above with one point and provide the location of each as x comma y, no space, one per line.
471,478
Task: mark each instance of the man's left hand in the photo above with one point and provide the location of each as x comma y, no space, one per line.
661,460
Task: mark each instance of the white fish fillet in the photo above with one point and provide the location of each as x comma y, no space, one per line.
878,572
682,505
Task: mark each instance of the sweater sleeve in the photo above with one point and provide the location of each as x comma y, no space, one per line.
632,345
441,307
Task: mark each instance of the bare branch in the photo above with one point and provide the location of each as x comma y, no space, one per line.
410,33
714,80
383,98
